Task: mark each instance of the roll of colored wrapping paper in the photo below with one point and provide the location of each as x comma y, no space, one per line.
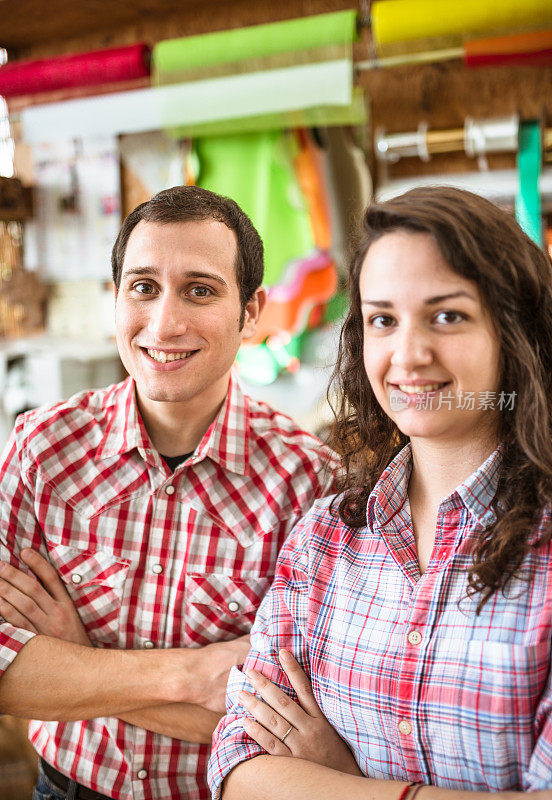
256,170
525,49
355,113
404,20
82,69
308,283
174,58
528,201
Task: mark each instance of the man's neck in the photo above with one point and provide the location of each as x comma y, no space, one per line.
178,427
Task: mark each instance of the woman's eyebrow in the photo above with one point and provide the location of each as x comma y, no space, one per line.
440,298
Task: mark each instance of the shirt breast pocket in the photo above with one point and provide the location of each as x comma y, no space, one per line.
95,582
220,607
487,693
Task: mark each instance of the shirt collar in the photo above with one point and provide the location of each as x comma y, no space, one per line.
124,428
226,441
390,492
476,492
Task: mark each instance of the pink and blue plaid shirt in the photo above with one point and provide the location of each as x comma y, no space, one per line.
419,686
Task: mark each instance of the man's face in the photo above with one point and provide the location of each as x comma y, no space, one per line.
178,312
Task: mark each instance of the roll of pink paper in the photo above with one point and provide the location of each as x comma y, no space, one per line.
81,69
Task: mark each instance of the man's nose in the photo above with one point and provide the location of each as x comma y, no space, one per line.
412,348
167,318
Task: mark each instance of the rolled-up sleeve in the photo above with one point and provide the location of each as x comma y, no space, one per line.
281,622
18,529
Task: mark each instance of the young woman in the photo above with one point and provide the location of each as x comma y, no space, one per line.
418,602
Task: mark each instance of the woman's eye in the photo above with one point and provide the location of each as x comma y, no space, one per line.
380,321
449,317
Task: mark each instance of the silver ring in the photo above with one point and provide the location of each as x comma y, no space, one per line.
289,730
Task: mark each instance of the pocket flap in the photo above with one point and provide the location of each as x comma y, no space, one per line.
232,595
80,568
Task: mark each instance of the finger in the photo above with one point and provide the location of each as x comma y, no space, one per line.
22,602
45,572
267,740
12,615
265,715
277,699
300,683
26,584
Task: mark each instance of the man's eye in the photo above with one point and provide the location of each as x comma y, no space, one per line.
144,288
380,321
201,291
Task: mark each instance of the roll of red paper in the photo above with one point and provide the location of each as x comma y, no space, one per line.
524,49
81,69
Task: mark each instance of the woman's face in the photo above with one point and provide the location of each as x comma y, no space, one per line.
431,352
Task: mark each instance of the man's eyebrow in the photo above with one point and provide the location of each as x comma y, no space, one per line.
154,271
439,298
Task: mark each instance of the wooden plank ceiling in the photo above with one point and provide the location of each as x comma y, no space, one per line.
25,24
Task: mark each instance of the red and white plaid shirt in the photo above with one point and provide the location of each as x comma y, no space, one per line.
150,558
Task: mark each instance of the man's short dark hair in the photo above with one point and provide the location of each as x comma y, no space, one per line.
193,204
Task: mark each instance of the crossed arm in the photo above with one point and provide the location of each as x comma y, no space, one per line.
59,675
313,762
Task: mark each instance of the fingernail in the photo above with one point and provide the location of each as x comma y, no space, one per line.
246,722
285,655
1,566
243,697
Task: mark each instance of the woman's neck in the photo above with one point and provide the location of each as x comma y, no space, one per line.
438,468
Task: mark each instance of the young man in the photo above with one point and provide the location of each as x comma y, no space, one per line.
156,509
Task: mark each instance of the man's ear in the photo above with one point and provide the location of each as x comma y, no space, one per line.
252,312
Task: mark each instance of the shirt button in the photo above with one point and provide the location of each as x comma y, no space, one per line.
142,774
405,727
414,637
76,578
233,606
157,569
169,489
148,644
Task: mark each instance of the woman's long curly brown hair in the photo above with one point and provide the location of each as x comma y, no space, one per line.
484,244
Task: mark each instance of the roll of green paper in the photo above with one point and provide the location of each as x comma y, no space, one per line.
174,56
256,170
528,201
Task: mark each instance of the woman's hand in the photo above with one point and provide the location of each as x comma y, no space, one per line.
285,728
40,606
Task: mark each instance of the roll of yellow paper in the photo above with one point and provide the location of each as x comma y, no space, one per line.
405,20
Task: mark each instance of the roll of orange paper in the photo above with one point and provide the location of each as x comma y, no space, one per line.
523,49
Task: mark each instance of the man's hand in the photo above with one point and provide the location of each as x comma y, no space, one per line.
286,728
210,666
40,606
